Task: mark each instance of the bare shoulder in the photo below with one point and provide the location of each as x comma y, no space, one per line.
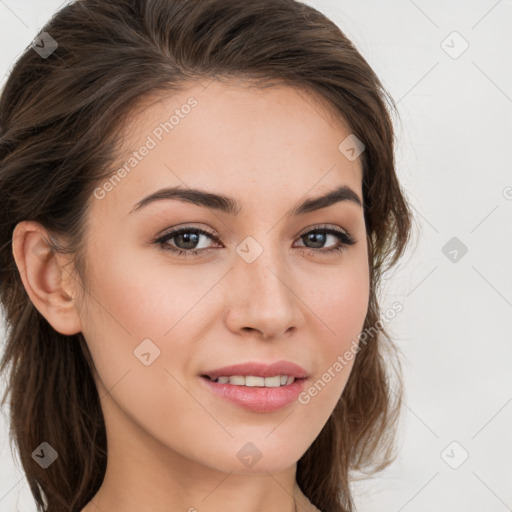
309,507
303,503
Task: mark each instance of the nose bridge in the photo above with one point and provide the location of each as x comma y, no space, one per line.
264,268
263,297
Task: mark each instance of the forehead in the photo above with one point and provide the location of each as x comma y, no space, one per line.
233,138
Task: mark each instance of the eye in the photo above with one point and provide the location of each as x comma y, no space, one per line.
320,234
186,239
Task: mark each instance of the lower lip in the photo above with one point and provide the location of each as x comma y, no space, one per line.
258,399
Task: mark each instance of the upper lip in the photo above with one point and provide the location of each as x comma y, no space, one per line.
259,370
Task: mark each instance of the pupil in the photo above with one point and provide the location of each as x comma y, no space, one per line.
190,239
314,236
187,236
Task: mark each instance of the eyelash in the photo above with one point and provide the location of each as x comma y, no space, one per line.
345,240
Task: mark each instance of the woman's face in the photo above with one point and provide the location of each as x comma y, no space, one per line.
261,287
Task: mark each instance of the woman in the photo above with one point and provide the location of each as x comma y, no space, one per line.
199,200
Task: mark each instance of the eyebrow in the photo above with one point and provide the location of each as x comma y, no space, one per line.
232,207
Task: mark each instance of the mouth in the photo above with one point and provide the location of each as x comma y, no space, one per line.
252,374
259,399
251,381
257,387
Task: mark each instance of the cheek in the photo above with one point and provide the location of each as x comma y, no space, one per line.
130,308
135,298
341,306
135,295
127,303
342,302
345,306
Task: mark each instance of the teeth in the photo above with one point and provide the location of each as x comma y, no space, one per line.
272,382
253,381
237,380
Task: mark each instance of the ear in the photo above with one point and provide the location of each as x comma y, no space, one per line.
46,277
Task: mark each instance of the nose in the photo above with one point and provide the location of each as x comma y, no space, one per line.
262,298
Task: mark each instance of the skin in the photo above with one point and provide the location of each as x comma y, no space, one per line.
173,444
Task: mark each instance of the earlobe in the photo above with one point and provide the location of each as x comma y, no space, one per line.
45,277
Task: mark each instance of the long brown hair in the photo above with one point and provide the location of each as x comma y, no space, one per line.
59,124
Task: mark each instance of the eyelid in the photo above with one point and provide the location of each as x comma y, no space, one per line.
322,227
345,239
189,227
315,227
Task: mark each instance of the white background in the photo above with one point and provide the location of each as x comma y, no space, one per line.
454,159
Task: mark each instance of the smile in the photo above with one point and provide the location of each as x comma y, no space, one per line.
255,381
